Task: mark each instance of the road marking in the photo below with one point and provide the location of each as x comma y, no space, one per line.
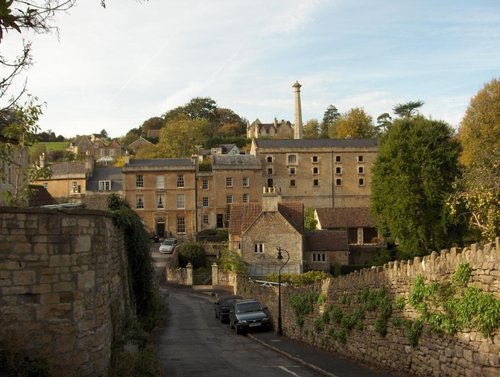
288,371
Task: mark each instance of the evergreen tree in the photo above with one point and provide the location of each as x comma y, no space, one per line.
412,181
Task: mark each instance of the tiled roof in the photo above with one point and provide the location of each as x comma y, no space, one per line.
326,240
160,162
39,196
240,161
330,218
67,168
316,143
294,213
242,215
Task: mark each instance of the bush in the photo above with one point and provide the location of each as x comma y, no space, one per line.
192,252
230,260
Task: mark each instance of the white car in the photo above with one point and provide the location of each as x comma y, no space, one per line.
168,245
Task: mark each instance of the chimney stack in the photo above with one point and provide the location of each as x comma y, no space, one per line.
297,126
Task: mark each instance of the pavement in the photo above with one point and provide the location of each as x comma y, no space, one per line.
325,362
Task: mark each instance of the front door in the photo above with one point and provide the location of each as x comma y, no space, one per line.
220,220
160,229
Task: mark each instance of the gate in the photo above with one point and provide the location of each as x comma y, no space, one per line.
202,276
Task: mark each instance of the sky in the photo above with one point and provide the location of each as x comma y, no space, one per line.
116,67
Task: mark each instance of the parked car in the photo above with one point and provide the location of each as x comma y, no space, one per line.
168,245
249,314
222,305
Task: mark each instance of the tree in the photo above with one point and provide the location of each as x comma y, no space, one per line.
479,134
181,136
383,122
408,109
310,221
355,124
311,129
18,128
412,180
331,115
153,123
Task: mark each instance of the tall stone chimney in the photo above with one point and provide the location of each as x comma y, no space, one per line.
297,126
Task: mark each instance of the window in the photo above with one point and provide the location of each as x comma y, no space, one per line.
292,182
319,257
139,181
338,158
180,180
291,171
160,201
269,159
205,201
361,170
75,189
361,182
246,198
246,182
160,181
204,184
181,224
315,170
229,181
270,171
229,199
139,201
338,170
270,182
258,248
360,158
292,159
338,182
180,201
104,185
205,218
315,159
315,182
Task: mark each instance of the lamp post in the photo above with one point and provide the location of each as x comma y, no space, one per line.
280,258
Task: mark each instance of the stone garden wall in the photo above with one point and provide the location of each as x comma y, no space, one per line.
360,333
63,287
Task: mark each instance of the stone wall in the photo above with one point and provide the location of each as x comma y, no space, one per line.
63,287
466,353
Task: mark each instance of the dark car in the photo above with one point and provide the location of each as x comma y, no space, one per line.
222,305
245,315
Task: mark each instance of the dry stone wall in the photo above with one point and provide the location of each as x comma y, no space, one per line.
63,287
466,353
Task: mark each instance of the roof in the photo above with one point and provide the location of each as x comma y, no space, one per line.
294,213
160,162
241,161
244,214
139,142
316,143
326,240
350,217
67,168
105,174
39,196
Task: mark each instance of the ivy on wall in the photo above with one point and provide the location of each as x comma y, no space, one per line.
446,307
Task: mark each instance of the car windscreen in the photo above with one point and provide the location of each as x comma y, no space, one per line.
248,307
168,242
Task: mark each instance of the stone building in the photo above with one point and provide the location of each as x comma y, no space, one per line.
277,129
163,193
68,180
257,231
325,248
322,173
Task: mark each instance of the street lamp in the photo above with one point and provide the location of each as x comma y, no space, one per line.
280,258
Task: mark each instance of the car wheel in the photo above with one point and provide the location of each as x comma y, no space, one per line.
239,330
221,319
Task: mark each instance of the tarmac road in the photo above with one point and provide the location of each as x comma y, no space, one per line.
193,343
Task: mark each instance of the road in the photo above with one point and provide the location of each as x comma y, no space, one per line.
193,343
